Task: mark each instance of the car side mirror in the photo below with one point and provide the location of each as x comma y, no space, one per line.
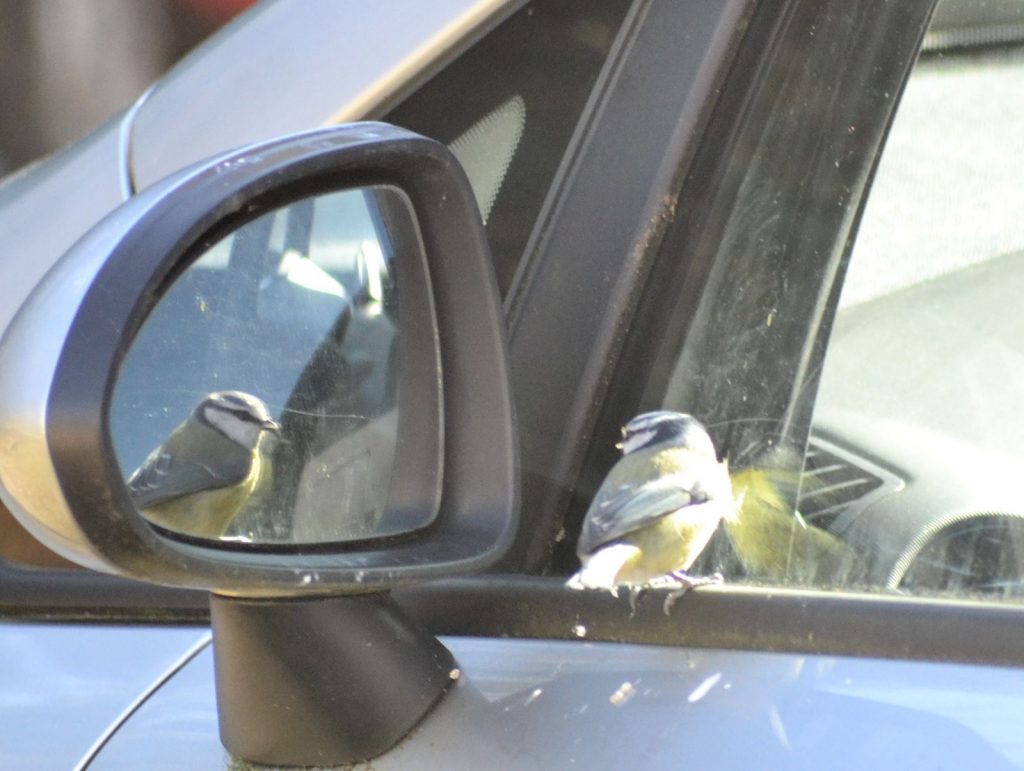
278,375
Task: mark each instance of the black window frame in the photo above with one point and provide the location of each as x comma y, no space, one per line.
547,48
678,251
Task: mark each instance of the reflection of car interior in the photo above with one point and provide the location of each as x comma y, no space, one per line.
924,361
344,482
298,307
345,387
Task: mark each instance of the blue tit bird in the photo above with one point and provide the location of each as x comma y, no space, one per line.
208,468
658,507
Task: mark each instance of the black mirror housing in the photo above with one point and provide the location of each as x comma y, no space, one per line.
61,357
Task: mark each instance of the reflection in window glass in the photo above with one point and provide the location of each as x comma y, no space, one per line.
887,460
925,365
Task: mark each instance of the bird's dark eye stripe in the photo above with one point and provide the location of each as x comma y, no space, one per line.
244,413
235,405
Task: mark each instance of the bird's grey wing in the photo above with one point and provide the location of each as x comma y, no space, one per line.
623,509
164,477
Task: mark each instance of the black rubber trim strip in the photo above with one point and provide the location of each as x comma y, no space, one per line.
83,595
729,617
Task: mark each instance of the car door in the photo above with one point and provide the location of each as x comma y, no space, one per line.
794,662
690,254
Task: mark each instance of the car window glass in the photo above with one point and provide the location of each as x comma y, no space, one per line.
508,108
881,453
925,365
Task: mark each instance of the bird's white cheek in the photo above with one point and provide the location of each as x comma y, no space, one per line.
636,441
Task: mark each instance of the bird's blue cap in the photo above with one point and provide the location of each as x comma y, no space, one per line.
676,428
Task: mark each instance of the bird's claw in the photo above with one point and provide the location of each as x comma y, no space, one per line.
635,590
670,599
679,584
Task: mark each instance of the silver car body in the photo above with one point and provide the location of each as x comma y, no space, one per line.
115,695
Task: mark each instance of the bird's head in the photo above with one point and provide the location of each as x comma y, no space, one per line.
239,416
669,427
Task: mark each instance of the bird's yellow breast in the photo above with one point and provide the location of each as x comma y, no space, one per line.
207,514
668,545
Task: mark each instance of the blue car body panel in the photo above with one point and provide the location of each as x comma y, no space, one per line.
64,686
537,704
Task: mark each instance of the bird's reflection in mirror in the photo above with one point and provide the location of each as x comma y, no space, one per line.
209,467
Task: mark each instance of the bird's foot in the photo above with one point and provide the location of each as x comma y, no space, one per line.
692,581
680,583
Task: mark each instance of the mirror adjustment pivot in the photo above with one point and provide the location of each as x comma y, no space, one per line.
322,680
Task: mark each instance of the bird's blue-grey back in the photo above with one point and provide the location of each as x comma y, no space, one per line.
617,512
164,476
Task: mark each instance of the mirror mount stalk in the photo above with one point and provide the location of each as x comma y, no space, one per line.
322,680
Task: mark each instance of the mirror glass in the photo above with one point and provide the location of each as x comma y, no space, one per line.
285,388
